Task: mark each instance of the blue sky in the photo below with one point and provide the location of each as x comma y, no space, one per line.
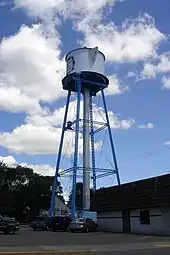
34,40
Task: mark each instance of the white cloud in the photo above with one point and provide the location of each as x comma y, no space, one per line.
31,70
131,74
135,40
38,8
40,134
146,126
34,140
31,139
30,62
166,82
167,143
9,160
68,9
159,65
11,99
39,169
30,58
55,118
115,87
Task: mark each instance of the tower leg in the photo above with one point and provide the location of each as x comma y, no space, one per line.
111,138
73,200
92,145
86,150
52,205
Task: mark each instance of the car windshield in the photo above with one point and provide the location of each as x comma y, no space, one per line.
78,220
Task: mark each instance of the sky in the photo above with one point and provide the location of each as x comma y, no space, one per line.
36,35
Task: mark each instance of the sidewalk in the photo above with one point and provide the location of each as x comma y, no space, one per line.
82,249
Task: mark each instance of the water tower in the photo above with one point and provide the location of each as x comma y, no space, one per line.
85,76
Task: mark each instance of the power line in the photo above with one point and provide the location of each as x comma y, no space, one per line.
145,155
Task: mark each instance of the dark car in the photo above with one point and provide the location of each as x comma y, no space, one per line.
60,223
41,223
8,225
83,225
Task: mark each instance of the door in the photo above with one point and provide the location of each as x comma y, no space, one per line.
126,221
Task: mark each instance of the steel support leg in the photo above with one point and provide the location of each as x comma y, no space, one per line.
52,205
111,138
92,145
73,200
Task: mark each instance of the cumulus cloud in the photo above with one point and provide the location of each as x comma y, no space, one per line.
13,100
166,82
149,125
40,140
9,160
56,117
68,9
37,8
135,40
115,87
167,143
31,68
39,169
41,133
131,74
30,139
30,62
159,65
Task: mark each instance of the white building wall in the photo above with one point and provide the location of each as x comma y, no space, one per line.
60,207
110,221
159,221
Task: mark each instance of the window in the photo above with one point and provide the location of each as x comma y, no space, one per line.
145,217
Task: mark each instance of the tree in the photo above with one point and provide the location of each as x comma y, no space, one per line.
21,188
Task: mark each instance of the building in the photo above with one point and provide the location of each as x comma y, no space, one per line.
137,207
60,207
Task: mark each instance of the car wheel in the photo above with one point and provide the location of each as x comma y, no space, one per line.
10,230
34,229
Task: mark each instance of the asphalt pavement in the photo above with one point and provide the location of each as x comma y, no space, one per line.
27,241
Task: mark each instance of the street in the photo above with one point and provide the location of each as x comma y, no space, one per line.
27,241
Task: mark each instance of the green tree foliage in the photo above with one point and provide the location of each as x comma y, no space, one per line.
24,193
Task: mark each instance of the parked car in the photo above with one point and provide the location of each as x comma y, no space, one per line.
83,225
41,223
60,223
8,225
